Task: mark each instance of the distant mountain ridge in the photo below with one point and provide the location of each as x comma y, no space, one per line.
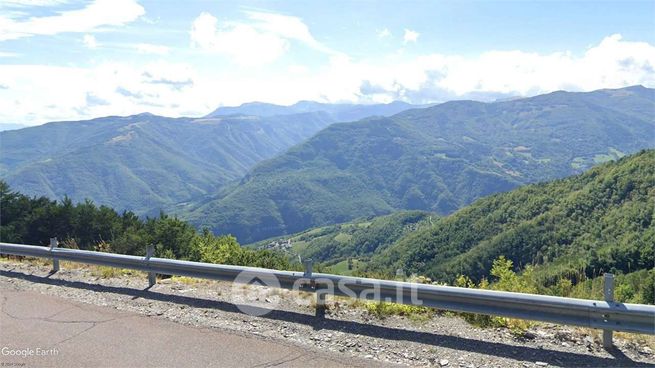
9,126
340,112
146,162
434,159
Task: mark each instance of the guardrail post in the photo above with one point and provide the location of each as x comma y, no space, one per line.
55,262
320,296
320,304
152,277
608,291
309,264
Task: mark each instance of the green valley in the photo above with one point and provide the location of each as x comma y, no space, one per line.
551,238
435,159
344,247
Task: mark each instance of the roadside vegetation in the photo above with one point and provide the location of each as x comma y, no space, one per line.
34,220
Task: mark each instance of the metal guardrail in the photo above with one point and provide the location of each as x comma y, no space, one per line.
606,315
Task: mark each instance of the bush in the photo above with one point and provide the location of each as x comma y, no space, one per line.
385,309
224,249
505,280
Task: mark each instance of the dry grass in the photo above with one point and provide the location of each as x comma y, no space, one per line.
638,339
186,280
19,259
112,272
98,271
630,338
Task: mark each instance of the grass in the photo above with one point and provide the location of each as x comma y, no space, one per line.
600,158
421,314
637,339
111,272
341,268
98,271
186,280
298,246
412,312
343,237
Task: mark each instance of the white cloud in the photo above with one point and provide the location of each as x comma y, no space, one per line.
97,14
147,48
6,54
123,88
287,27
243,43
31,3
90,41
613,63
384,33
410,36
35,93
263,39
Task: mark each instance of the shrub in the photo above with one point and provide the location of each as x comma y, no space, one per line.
385,309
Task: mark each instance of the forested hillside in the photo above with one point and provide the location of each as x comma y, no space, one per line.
573,228
357,239
145,162
436,159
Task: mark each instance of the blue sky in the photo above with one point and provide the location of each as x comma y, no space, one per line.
66,60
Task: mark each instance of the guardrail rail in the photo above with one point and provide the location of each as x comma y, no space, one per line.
607,315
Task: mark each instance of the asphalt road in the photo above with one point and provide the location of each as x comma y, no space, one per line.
46,331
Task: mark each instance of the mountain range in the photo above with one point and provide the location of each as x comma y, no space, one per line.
435,159
338,112
146,162
261,170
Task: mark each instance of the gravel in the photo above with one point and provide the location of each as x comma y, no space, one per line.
441,341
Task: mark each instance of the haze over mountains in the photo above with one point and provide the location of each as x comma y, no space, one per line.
339,112
10,126
262,170
146,162
435,159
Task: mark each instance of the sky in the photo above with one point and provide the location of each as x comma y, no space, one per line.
72,60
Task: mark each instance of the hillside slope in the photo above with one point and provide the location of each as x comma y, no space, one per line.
358,238
599,221
145,161
436,159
